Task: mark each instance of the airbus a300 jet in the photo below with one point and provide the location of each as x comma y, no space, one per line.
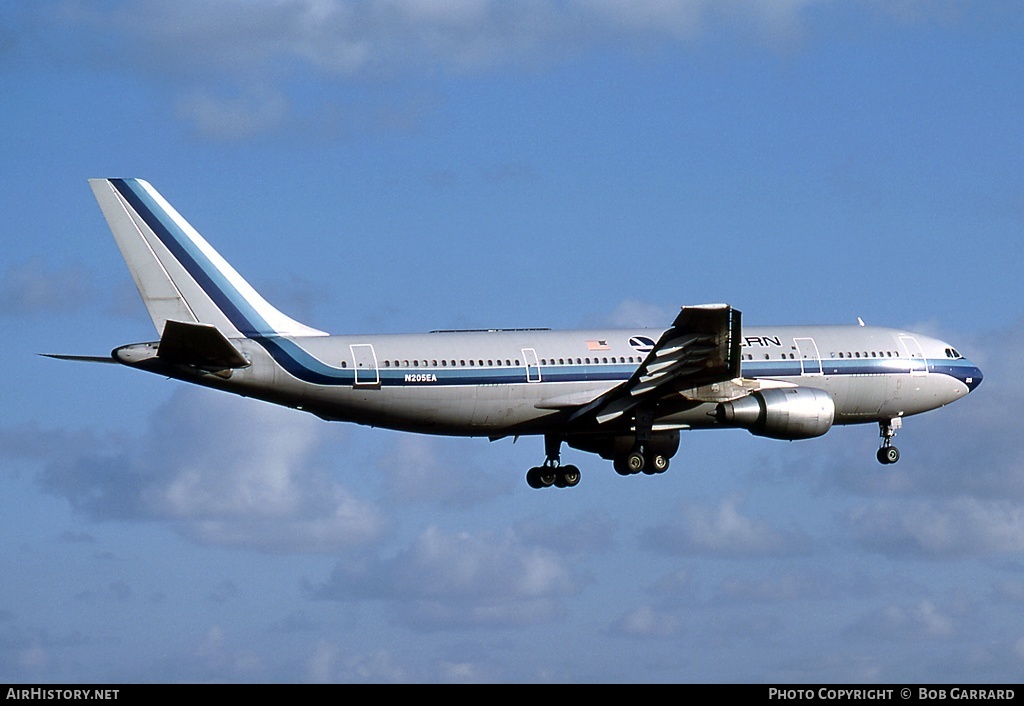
623,394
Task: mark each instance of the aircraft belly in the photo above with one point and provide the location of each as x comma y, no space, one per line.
455,410
914,394
863,396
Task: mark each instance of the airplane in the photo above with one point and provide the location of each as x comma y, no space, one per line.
622,394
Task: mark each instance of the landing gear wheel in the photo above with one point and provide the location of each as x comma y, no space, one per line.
541,477
657,463
635,462
568,477
888,455
551,474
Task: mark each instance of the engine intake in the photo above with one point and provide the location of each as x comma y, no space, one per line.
782,413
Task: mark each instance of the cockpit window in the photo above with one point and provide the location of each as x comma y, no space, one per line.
953,353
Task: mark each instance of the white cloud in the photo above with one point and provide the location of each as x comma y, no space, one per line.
459,580
907,623
236,116
647,621
780,586
386,36
432,469
223,471
722,531
231,60
940,528
35,287
636,313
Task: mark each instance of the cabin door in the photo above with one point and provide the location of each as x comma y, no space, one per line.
364,360
918,364
532,365
810,360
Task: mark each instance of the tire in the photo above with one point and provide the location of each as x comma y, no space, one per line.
635,462
658,463
570,476
533,478
888,455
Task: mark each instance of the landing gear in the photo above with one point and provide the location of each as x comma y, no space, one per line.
888,453
547,475
637,461
553,473
646,456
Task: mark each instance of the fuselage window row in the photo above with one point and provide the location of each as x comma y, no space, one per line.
508,362
841,354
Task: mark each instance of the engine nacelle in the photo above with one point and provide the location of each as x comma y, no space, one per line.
781,413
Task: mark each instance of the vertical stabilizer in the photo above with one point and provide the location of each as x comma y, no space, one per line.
179,275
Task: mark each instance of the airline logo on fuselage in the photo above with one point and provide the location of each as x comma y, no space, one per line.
641,344
763,341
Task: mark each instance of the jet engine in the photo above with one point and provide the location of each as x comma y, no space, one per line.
786,413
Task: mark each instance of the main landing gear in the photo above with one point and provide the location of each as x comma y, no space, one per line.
553,473
888,453
642,458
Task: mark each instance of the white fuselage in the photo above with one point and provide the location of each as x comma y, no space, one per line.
502,382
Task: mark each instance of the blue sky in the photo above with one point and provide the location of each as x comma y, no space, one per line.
381,166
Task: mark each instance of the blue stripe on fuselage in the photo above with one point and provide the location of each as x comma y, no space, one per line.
302,365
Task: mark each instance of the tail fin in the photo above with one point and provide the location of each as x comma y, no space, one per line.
180,277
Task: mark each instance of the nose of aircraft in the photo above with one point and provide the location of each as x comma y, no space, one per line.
972,377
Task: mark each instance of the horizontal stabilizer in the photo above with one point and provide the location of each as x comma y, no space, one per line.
201,345
81,358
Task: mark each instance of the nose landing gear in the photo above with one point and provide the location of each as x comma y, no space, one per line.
888,453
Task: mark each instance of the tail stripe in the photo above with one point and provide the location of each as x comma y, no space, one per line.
240,303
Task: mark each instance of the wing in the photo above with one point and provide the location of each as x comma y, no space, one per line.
702,347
